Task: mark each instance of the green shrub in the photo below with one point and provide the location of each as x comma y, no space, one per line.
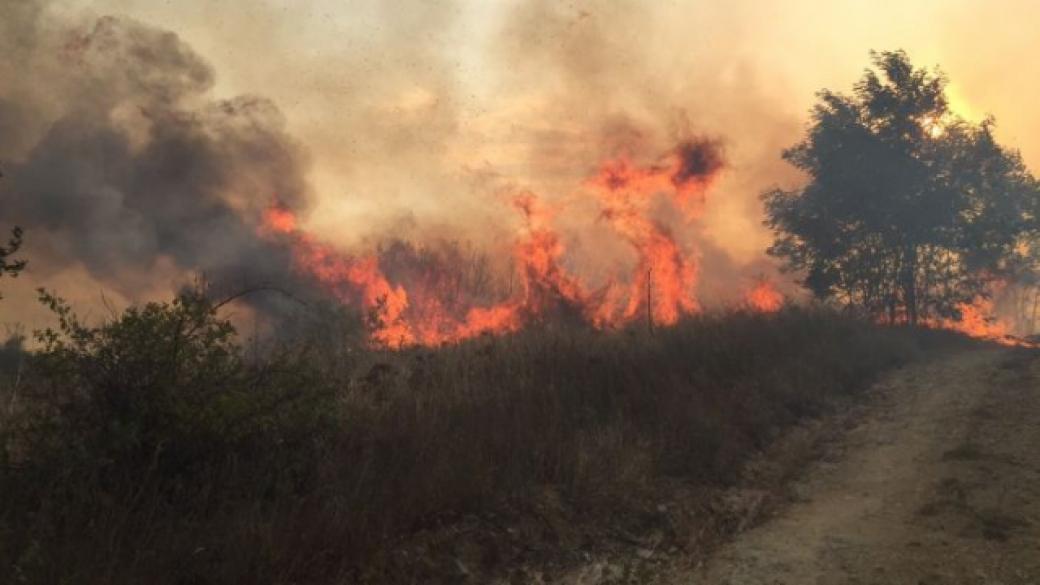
164,390
152,449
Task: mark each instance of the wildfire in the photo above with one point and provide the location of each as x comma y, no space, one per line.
279,220
538,256
663,283
685,174
764,297
978,320
349,279
660,287
396,317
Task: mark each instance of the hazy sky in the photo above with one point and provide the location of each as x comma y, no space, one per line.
414,112
328,63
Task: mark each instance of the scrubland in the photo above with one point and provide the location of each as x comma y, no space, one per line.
162,447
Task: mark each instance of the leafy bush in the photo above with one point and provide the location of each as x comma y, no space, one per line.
165,389
152,449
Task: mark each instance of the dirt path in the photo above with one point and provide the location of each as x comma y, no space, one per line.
940,483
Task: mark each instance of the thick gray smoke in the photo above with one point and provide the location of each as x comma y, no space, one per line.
116,155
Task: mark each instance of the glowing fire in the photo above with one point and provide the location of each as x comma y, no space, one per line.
978,320
538,256
660,287
279,220
764,297
349,279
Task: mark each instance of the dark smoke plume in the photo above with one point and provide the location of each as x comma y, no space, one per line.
699,160
116,156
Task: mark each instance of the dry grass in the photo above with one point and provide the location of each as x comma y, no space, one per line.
519,431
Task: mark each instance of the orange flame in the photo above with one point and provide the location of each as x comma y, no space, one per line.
278,220
661,285
764,298
978,320
391,318
666,275
349,279
538,256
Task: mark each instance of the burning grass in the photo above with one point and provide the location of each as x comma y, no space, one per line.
658,287
151,450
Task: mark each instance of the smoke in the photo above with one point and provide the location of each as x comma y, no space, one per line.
129,169
598,81
118,160
660,287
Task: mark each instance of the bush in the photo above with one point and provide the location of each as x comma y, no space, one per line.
157,408
152,450
164,387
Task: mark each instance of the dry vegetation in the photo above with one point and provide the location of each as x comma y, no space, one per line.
155,449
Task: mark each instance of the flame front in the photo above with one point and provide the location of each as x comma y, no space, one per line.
660,287
665,277
978,319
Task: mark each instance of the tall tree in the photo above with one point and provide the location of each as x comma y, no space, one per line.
9,265
909,210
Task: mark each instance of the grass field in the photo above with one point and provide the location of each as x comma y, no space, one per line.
156,449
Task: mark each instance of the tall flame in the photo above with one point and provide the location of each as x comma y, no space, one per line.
538,256
665,277
350,279
660,287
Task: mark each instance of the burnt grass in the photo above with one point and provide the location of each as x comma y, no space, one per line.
445,465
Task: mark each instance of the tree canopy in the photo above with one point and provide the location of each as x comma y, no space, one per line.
909,210
8,265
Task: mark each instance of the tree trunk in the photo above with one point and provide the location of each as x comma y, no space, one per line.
1032,321
910,283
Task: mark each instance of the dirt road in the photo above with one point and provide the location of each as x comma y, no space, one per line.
939,483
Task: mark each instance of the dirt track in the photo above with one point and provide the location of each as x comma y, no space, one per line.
939,483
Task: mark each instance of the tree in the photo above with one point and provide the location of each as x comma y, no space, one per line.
909,210
8,265
166,388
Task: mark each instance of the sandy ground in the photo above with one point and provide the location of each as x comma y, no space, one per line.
938,483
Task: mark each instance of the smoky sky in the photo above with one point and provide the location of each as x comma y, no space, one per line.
116,156
121,159
698,159
131,162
